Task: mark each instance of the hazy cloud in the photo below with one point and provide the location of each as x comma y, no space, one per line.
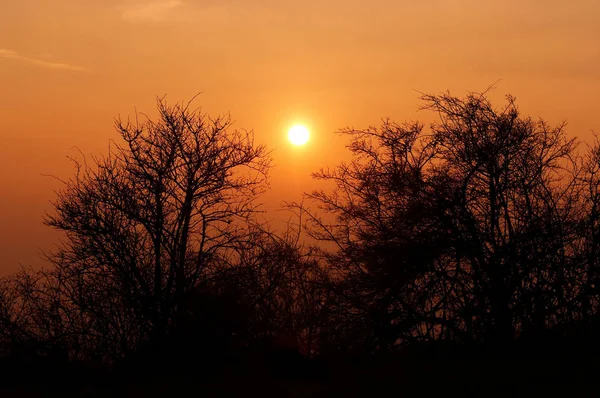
9,54
190,11
153,11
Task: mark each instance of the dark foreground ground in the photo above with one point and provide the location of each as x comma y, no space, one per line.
359,378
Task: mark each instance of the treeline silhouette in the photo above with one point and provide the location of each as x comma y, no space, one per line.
476,237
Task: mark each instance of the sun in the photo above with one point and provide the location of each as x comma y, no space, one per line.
298,135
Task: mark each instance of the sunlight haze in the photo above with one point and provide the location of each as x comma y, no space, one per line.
68,68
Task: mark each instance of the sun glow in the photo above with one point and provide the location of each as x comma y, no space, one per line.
298,135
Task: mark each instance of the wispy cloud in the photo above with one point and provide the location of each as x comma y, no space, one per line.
9,54
153,11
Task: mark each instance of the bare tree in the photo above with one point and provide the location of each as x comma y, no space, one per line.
465,231
518,193
144,223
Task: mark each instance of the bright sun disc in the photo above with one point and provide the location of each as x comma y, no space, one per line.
298,135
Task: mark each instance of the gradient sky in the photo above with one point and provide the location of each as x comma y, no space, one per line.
68,67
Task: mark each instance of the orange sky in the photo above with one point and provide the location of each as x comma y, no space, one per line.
68,67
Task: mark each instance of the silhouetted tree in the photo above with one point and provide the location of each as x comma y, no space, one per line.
466,231
144,224
517,203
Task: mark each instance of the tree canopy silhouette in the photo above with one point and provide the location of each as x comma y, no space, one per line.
467,231
145,224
